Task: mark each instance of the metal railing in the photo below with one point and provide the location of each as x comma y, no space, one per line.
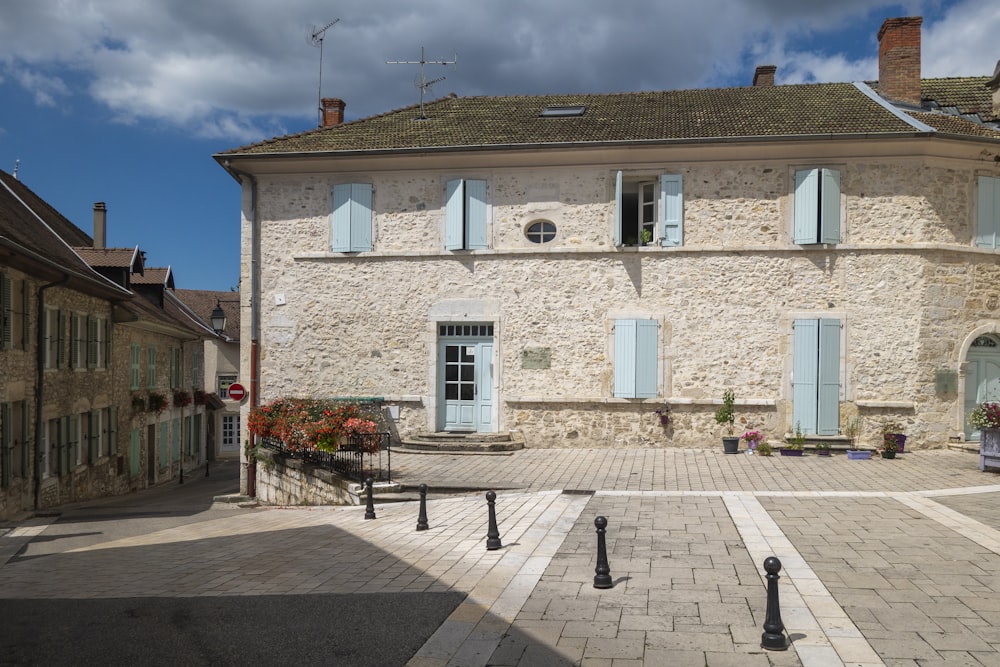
359,457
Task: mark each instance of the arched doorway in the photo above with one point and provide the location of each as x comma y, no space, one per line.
982,377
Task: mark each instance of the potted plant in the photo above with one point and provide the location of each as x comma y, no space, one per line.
892,430
823,448
852,429
752,439
663,413
647,236
181,398
764,449
726,415
138,404
157,402
796,443
986,418
889,446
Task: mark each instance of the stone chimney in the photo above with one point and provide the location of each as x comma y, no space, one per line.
764,76
333,111
899,59
994,85
100,224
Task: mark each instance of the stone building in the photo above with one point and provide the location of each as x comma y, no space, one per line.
96,363
562,266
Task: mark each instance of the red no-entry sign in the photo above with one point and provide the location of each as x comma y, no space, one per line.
237,392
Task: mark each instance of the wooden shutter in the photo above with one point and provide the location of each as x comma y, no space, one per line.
134,360
617,222
93,433
672,210
830,206
625,354
352,217
63,439
106,361
25,315
646,362
805,374
806,206
151,367
454,215
61,339
6,312
6,442
92,325
74,341
475,214
828,400
112,430
133,452
988,212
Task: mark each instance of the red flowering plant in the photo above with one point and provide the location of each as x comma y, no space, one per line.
985,415
324,425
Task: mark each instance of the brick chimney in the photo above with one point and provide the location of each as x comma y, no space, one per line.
764,75
333,111
100,224
994,85
899,59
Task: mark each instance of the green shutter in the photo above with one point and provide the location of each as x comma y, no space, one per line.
646,362
74,439
806,206
6,442
625,357
25,316
617,231
106,362
25,413
91,341
61,339
151,367
134,357
475,213
830,206
164,446
828,400
454,215
112,431
988,212
62,438
74,341
805,374
6,312
672,209
93,433
133,452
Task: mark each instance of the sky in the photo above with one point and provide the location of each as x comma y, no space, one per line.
125,102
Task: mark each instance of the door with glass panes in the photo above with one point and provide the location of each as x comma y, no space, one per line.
465,377
982,378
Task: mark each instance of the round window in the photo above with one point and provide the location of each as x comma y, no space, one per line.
542,231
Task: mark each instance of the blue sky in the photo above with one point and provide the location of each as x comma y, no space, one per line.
125,102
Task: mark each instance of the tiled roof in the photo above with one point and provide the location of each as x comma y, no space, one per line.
111,257
155,276
693,115
967,94
203,302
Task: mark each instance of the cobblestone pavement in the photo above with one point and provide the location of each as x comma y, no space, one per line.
884,562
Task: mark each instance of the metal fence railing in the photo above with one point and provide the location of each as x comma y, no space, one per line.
362,455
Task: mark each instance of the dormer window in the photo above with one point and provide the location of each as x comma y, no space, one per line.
563,111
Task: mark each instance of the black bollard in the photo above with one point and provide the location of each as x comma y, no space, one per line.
182,471
370,507
773,637
493,534
422,518
603,577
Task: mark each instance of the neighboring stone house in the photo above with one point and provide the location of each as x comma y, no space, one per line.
563,265
86,339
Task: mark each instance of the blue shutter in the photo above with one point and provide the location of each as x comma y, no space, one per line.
475,214
617,231
806,206
830,207
340,220
454,215
645,359
625,357
828,417
805,374
361,217
672,210
988,212
484,380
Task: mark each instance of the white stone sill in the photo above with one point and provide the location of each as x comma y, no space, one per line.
612,250
897,405
632,401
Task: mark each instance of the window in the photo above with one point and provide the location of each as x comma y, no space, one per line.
635,358
135,356
816,376
542,231
817,206
78,341
465,215
649,209
988,213
151,367
224,382
351,220
197,371
230,433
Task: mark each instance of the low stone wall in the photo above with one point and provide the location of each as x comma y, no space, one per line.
286,481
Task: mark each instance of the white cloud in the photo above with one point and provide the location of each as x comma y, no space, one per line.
230,68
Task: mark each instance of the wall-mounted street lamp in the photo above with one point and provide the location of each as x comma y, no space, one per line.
218,316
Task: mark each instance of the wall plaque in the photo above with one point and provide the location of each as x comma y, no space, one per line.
536,357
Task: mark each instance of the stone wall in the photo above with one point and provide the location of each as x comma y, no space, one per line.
285,481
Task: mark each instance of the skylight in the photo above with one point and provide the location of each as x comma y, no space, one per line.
565,110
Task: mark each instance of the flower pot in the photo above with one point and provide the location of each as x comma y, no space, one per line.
664,420
731,445
989,448
823,452
785,451
859,454
888,455
900,441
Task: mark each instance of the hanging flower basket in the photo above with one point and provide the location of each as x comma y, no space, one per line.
157,402
182,399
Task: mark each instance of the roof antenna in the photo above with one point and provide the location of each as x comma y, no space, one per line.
17,165
421,81
316,39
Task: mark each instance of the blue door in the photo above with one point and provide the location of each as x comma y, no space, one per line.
465,378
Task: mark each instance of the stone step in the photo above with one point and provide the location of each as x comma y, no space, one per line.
450,442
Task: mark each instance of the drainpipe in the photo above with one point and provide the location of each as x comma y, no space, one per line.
39,382
251,480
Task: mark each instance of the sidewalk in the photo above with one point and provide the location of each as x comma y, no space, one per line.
884,562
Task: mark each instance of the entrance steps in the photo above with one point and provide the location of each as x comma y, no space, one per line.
452,442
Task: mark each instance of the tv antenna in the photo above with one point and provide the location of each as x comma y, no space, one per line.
421,82
316,39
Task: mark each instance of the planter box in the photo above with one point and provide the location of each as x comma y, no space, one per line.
790,452
989,448
859,454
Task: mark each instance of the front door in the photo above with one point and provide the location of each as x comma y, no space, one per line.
982,378
465,371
